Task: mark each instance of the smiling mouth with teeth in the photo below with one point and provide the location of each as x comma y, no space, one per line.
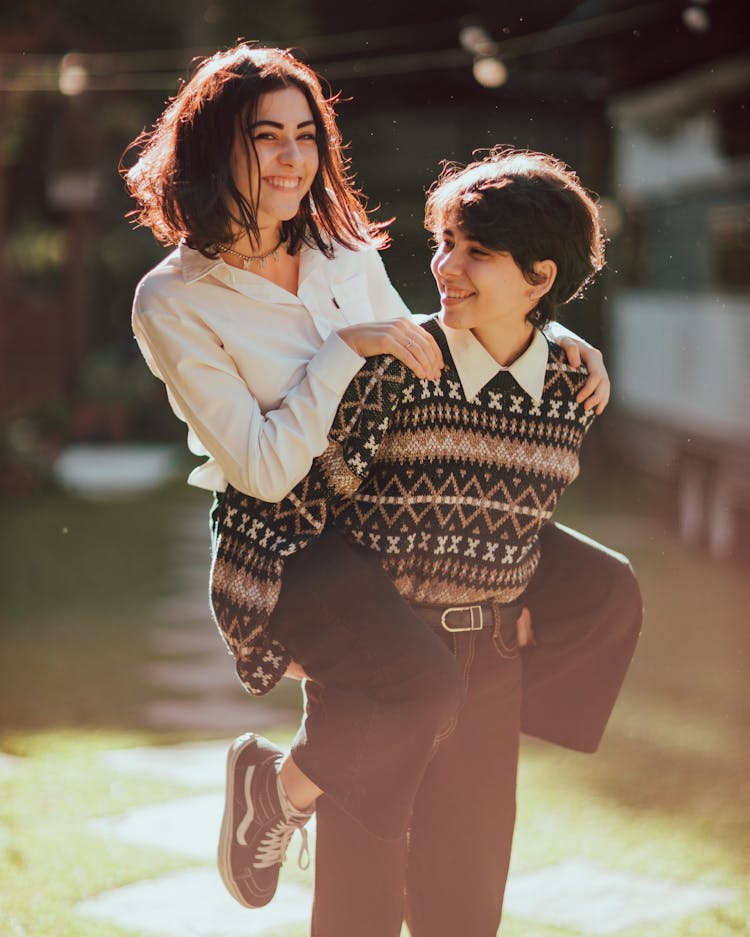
279,182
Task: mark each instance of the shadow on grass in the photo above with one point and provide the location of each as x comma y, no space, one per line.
664,772
644,774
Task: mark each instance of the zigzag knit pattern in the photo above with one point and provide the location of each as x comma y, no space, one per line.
450,494
458,491
254,537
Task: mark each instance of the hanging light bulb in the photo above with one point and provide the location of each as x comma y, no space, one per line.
696,17
488,69
489,72
73,77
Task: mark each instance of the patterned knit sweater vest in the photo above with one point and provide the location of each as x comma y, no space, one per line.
449,493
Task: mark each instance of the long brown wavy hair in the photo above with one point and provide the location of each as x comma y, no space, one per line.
182,179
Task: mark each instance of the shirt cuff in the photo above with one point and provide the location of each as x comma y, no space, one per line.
335,364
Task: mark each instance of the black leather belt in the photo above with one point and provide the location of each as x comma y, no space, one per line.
455,618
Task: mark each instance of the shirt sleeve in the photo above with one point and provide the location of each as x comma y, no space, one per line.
556,331
261,454
254,538
384,298
359,428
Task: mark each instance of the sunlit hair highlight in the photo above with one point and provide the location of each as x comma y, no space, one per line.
182,180
530,205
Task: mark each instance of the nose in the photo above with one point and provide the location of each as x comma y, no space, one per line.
447,264
291,154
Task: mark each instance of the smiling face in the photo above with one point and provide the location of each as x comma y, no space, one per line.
479,288
275,168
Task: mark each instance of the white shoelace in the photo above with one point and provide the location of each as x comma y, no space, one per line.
273,846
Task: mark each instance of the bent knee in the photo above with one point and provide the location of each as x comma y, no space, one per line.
626,598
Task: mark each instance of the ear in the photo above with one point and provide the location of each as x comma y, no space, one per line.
545,272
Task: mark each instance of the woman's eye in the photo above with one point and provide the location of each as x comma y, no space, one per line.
308,136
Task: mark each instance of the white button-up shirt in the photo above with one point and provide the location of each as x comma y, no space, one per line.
257,372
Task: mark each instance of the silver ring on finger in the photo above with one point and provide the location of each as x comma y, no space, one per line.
409,343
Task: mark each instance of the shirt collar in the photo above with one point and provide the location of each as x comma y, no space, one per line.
476,366
194,265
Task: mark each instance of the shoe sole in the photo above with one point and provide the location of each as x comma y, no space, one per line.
226,835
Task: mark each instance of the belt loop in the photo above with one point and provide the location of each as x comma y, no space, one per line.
475,611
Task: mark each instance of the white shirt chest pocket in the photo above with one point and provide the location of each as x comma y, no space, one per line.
352,299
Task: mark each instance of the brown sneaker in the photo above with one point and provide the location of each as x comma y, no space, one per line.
256,829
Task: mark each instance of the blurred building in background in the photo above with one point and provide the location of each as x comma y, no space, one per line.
681,311
647,100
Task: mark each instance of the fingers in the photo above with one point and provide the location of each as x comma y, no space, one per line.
572,352
594,393
403,339
419,351
295,672
524,629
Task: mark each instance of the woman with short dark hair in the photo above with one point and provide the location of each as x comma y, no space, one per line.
448,486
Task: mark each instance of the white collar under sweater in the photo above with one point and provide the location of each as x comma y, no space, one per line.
476,366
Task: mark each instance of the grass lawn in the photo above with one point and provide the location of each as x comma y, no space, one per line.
667,795
78,583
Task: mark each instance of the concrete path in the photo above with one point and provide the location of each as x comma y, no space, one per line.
191,667
9,764
590,900
192,902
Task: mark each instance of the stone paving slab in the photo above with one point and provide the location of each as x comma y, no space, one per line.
200,764
188,827
169,641
591,900
598,902
197,675
104,470
194,764
183,609
9,764
213,713
194,903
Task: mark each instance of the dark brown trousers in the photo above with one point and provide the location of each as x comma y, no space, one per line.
410,828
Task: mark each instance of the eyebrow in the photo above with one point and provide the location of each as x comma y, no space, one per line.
278,126
451,233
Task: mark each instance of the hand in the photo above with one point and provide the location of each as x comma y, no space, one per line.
524,629
595,392
295,672
403,339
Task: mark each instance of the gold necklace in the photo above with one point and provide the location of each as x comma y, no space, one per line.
248,259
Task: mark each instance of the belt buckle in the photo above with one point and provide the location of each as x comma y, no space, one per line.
475,617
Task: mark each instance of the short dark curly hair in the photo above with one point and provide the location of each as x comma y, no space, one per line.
182,179
529,205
